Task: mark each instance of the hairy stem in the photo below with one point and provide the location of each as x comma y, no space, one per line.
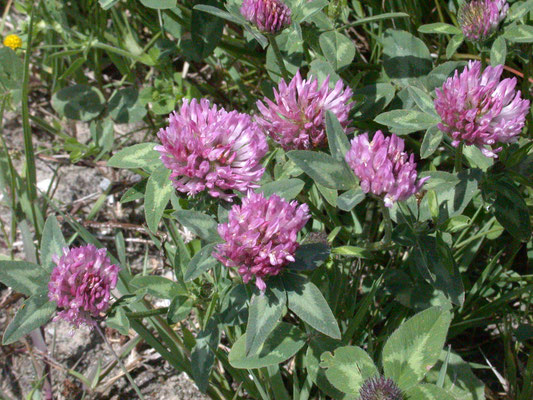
279,58
459,158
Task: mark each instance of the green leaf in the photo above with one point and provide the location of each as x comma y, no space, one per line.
140,155
102,132
403,122
322,69
158,191
348,368
263,315
338,49
352,251
220,13
349,199
318,345
413,349
125,106
33,313
519,9
405,56
454,43
135,192
11,69
308,9
287,189
337,140
107,4
24,277
200,224
519,34
158,286
498,51
432,140
324,169
282,344
206,32
80,102
159,4
310,256
234,306
476,159
308,303
179,309
52,243
439,27
203,356
510,209
454,192
379,17
437,266
292,60
119,320
200,263
372,99
428,391
422,99
441,73
459,380
330,195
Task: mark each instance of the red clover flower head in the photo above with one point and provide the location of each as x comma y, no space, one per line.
479,19
81,284
380,388
269,16
210,149
296,119
383,167
261,236
478,109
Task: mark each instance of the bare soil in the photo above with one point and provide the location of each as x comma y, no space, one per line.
76,190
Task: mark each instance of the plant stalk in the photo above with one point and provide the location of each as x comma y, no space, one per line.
119,361
459,158
279,58
387,222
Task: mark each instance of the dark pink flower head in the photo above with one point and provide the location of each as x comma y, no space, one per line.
383,167
261,236
208,148
81,284
269,16
480,18
380,388
477,109
296,119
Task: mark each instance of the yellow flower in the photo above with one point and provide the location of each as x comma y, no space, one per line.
13,41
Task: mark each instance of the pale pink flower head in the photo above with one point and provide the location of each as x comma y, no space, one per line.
384,168
269,16
260,237
478,109
479,19
210,149
81,284
296,117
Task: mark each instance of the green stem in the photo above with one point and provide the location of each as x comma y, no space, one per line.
459,158
388,223
149,313
119,361
31,174
279,58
